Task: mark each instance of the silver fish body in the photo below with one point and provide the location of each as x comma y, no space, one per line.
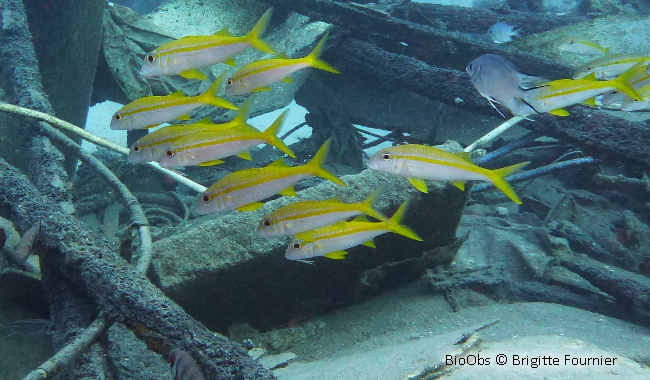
244,82
201,147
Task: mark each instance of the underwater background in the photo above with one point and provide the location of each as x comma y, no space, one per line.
322,189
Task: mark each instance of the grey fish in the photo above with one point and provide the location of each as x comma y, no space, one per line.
183,366
499,81
502,33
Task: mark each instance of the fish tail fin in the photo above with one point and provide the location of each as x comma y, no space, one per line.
366,205
254,35
315,166
497,177
395,223
270,135
211,96
314,61
622,81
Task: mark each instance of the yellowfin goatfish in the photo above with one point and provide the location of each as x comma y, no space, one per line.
615,99
499,81
332,241
553,96
185,55
610,66
309,215
153,145
630,104
257,76
582,47
150,111
208,147
242,190
419,162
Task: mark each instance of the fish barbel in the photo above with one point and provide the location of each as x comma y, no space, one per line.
258,76
419,162
185,55
308,215
154,110
332,241
242,190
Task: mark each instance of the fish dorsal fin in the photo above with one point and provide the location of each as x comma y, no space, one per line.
336,255
361,218
245,155
279,163
223,32
281,55
591,76
178,94
289,192
205,120
251,206
369,243
419,184
467,156
230,62
193,74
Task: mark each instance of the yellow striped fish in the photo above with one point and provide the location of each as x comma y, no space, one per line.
419,162
582,47
185,55
308,215
206,148
610,66
332,241
551,97
242,190
150,111
259,75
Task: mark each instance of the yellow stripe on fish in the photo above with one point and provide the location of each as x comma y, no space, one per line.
308,215
185,55
154,110
419,162
332,241
207,148
257,76
242,190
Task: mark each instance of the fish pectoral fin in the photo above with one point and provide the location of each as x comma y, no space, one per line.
526,82
184,117
211,162
288,192
260,89
460,185
245,155
251,206
370,244
467,156
193,74
336,255
287,80
419,184
230,62
559,112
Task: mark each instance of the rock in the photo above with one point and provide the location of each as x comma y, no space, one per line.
222,273
277,361
562,276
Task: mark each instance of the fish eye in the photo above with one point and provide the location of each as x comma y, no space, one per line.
205,198
117,116
266,222
170,153
386,156
470,67
229,81
151,58
570,42
136,148
296,245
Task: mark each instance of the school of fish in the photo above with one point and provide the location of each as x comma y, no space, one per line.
324,228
